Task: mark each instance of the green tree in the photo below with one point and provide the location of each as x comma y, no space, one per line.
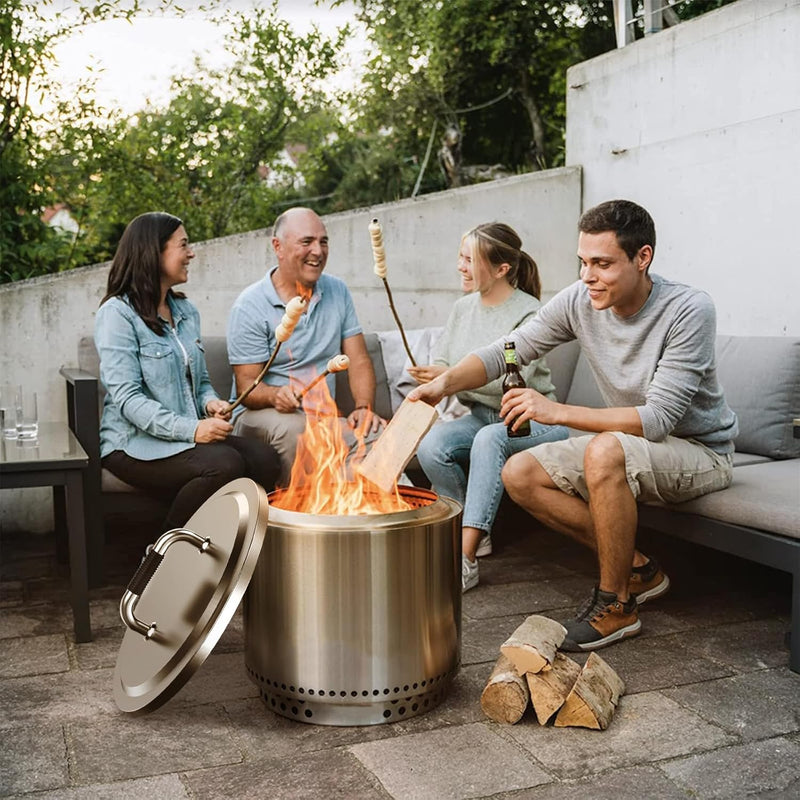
29,31
493,68
205,155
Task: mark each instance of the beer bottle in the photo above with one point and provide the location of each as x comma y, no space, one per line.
513,380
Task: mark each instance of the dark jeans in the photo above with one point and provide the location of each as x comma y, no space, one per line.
191,477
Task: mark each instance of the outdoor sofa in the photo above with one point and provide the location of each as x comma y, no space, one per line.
756,518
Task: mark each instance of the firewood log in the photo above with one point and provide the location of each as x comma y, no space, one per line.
550,688
532,647
505,696
593,698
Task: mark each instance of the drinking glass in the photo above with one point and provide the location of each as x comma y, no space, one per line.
27,414
8,413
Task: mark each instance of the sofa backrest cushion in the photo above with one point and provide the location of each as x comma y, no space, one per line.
583,390
219,370
383,403
760,376
562,360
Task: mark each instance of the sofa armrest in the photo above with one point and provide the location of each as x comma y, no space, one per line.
82,409
84,421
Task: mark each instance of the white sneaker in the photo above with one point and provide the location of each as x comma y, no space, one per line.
469,573
484,546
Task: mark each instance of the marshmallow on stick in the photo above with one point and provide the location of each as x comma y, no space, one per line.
294,310
379,258
336,364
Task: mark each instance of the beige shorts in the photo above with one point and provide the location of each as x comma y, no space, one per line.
671,471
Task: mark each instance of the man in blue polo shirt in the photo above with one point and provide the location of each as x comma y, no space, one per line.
328,327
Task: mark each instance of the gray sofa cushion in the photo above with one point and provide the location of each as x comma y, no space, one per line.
219,370
383,402
221,374
760,376
761,379
583,390
562,360
763,496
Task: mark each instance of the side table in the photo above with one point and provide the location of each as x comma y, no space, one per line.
56,459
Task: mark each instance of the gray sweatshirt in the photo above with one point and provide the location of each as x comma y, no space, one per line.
660,360
472,324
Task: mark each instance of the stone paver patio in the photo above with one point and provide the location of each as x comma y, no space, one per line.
711,708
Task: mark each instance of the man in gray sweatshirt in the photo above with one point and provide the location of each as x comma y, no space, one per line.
665,435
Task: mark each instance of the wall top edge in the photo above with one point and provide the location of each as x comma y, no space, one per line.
532,177
527,177
719,20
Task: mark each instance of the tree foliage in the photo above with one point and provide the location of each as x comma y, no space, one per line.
494,70
29,32
203,157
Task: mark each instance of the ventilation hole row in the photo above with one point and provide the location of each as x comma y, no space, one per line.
352,693
424,703
277,703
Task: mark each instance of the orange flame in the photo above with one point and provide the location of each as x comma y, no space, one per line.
323,479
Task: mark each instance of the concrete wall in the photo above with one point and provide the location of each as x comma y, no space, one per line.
701,124
41,320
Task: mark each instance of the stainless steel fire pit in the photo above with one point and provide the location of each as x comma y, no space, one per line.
356,620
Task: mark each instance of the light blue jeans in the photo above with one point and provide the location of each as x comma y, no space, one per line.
463,460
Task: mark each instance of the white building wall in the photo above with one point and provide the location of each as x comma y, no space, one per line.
42,320
701,125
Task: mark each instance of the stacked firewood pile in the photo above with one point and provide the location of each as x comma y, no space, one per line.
531,670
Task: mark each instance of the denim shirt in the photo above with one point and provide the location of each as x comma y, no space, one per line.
152,407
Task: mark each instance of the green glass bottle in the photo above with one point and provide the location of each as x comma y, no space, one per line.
513,380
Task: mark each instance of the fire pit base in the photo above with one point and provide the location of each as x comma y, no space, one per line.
355,708
356,620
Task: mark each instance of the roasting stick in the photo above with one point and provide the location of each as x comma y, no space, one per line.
379,257
336,364
294,310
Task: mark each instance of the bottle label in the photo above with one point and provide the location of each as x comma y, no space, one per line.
511,355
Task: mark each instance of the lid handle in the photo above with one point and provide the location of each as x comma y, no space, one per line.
148,567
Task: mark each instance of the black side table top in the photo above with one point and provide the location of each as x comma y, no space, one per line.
55,448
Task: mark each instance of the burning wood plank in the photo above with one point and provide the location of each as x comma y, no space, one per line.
397,444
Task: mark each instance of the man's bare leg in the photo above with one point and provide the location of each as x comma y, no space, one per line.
612,507
531,487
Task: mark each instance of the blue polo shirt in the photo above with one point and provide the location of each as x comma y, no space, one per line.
257,312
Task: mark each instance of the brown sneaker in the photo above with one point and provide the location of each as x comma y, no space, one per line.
605,621
648,582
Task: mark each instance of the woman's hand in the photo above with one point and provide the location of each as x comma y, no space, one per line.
219,409
364,422
425,374
519,405
212,429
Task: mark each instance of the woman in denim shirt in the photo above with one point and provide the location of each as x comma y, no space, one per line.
164,430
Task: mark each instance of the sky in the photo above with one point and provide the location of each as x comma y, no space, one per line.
139,58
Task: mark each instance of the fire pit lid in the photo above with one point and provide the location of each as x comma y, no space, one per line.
185,593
